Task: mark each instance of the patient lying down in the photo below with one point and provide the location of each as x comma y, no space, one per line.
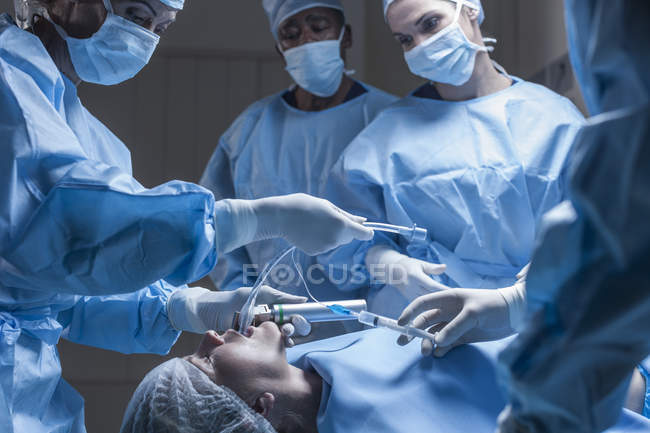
360,382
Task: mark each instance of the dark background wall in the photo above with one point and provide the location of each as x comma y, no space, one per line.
213,63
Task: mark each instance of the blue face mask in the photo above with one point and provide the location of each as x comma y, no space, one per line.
446,57
317,67
115,53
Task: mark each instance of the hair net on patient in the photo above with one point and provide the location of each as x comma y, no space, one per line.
481,17
280,10
178,397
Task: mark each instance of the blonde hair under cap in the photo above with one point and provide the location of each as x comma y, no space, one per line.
481,17
280,10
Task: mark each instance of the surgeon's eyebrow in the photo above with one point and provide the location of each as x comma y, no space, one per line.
317,16
142,2
423,17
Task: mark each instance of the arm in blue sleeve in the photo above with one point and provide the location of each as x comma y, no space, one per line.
98,232
72,224
132,323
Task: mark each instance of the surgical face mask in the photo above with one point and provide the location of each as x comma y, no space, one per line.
115,53
446,57
317,67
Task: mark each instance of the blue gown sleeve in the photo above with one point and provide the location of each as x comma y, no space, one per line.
72,224
132,323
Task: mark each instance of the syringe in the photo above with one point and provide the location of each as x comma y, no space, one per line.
414,233
377,321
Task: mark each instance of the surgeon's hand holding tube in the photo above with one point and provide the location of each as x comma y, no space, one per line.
462,316
313,225
200,310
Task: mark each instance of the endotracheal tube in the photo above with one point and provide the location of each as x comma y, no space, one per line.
413,234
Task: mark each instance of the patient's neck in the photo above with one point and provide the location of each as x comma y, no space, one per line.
301,395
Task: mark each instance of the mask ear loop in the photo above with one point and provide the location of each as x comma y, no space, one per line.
459,8
347,72
109,7
489,48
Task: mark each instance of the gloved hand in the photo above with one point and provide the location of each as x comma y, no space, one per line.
200,310
458,316
410,276
297,325
312,224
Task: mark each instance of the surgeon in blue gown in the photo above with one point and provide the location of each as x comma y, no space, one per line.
475,156
288,142
360,382
86,252
588,288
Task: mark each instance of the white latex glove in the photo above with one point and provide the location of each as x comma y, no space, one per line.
458,316
405,273
297,325
312,224
200,310
515,297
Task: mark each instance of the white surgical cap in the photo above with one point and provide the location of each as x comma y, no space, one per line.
176,4
280,10
177,397
481,17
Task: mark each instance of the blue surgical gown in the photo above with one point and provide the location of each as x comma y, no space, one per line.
372,385
477,174
589,282
86,252
273,148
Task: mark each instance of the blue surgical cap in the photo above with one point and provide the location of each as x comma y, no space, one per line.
280,10
481,17
176,4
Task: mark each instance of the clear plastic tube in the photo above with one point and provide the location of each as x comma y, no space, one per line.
414,233
247,313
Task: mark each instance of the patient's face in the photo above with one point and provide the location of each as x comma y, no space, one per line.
242,362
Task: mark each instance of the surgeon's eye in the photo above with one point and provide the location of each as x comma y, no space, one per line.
430,24
162,29
404,40
320,25
133,16
290,34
